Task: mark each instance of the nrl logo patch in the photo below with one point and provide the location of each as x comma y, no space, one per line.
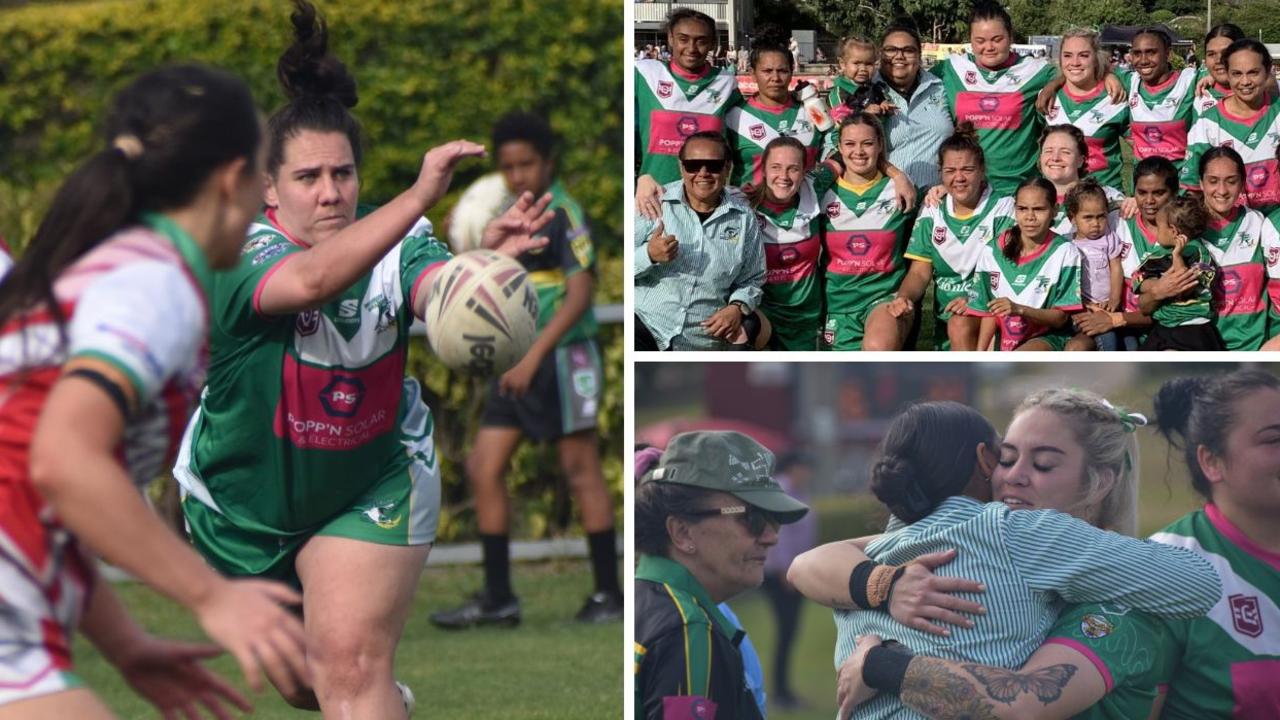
939,235
970,77
664,88
833,210
756,131
1246,616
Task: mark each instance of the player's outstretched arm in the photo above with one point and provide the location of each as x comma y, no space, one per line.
309,279
74,466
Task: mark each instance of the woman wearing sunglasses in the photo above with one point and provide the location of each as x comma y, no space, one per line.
707,512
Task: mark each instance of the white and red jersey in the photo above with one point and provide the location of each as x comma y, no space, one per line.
6,259
137,303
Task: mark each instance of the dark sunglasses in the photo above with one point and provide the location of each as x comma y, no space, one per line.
755,519
693,165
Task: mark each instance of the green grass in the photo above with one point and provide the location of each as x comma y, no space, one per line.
550,667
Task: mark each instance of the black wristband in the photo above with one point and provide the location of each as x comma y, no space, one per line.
858,583
897,575
884,669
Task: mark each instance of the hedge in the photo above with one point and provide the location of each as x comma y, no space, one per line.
428,71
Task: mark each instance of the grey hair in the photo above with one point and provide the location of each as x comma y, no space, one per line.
1110,445
1099,60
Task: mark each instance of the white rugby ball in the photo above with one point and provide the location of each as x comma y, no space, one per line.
483,313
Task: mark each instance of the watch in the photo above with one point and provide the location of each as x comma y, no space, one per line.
742,307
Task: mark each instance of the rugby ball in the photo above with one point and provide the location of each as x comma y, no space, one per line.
483,313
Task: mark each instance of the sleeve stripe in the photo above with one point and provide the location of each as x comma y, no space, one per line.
262,284
413,292
920,258
140,394
1089,655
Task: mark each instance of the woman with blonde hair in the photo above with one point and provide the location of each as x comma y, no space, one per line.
1070,458
1083,101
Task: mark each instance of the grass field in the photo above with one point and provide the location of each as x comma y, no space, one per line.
550,667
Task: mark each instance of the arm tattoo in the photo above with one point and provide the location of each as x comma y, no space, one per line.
933,688
1005,685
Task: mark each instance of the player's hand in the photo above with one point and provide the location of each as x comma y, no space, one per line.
1203,85
516,381
1044,100
1094,322
851,691
250,619
1004,307
169,675
919,596
1115,89
437,169
900,306
662,248
1128,208
887,108
957,306
934,197
1175,282
724,323
513,232
1111,305
648,197
905,192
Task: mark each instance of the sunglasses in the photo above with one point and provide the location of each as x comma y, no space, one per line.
693,166
755,519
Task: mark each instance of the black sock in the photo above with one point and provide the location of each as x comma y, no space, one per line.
604,560
497,567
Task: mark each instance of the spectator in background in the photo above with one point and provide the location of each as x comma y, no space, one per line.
794,473
794,47
699,269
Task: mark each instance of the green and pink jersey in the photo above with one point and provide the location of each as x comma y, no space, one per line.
1214,94
952,244
1240,245
792,248
1001,105
303,413
1160,116
865,236
1047,279
1224,664
671,105
1254,137
1137,243
1102,121
751,125
842,89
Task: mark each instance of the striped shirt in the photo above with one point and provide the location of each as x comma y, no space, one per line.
719,261
916,130
1032,561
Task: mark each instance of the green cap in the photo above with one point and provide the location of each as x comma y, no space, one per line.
729,462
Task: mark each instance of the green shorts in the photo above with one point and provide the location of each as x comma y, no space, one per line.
788,335
844,331
401,508
1057,340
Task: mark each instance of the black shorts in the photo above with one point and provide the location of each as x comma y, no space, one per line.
1184,337
563,398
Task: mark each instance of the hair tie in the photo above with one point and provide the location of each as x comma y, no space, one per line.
1130,420
128,145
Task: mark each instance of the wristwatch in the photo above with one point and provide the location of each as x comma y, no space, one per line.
742,307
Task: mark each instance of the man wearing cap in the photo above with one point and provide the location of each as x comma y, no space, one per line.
707,513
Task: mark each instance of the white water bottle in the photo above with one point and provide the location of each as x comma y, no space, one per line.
816,107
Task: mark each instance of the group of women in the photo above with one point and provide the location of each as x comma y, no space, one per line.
107,323
1008,583
976,131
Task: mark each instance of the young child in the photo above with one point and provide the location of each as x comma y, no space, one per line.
857,58
1102,278
1029,280
1183,315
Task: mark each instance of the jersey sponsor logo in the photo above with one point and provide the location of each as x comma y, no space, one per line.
1246,616
664,88
1095,626
1253,138
668,129
988,111
380,515
386,313
269,252
584,382
1153,134
307,323
342,396
688,707
833,209
988,103
1231,282
939,235
858,244
256,244
756,131
349,309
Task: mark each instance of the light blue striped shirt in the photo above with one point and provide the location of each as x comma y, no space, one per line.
718,261
1032,561
918,128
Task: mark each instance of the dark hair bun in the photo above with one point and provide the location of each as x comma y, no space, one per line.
1173,404
307,68
895,482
